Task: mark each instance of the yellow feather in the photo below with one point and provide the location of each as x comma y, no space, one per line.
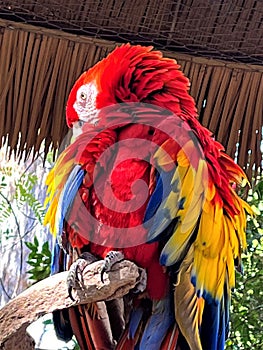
210,272
233,239
176,245
218,242
219,238
209,237
51,215
211,191
170,203
230,268
229,251
162,156
193,206
55,181
245,208
188,307
189,219
173,197
191,198
180,174
182,159
240,221
187,190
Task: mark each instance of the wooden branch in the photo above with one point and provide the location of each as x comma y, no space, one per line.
51,294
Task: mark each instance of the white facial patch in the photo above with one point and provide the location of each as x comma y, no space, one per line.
85,104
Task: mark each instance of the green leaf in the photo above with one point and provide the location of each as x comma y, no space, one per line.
45,248
36,241
40,260
46,322
30,246
32,263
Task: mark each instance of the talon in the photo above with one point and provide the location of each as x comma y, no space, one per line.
141,282
78,272
70,288
74,279
102,273
111,258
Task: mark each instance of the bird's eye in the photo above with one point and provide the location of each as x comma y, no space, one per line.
83,95
81,123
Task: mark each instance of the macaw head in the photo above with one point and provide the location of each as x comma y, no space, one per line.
129,74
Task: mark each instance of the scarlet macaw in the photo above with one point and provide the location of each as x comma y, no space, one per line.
136,125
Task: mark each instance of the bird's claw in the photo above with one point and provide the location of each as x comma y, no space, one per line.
141,281
74,279
111,258
70,288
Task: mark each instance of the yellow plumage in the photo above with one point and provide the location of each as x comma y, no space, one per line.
219,237
219,241
209,237
189,201
55,181
188,307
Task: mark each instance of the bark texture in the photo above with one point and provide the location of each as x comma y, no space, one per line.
52,294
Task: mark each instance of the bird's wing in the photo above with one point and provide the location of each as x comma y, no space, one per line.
200,221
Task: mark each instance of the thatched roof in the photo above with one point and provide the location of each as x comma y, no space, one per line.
45,45
226,29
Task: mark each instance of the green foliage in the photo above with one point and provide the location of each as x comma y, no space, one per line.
40,260
76,347
247,306
5,209
18,193
25,194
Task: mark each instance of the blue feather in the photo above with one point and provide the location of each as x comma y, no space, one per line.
160,223
68,195
55,258
163,259
135,319
215,321
66,199
156,217
224,319
161,192
210,325
160,321
155,200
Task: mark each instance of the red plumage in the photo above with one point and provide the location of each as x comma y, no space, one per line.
132,102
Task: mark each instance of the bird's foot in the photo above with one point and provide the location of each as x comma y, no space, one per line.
141,281
111,258
75,279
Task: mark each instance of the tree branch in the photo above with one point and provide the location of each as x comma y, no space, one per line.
20,242
51,294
